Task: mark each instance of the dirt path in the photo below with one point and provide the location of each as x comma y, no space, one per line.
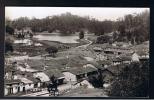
85,45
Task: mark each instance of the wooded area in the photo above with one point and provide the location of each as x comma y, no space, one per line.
132,27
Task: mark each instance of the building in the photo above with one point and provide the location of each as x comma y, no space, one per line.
28,77
121,44
77,74
56,73
126,58
12,86
44,79
9,71
143,55
117,61
97,49
116,50
135,57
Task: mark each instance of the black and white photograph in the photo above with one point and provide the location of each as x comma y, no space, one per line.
76,52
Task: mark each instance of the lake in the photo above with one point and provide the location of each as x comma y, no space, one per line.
58,37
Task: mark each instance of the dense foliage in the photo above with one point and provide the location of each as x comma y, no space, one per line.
9,30
51,50
133,81
9,44
81,35
8,47
132,27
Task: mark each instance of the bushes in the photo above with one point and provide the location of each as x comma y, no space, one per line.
51,50
9,30
131,82
8,47
81,35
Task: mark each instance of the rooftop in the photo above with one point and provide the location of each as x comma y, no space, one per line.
54,72
81,70
12,81
116,69
34,62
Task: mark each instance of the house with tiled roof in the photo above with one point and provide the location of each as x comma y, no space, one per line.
121,44
143,55
11,86
77,74
56,73
33,82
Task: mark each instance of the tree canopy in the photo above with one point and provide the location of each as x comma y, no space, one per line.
51,50
133,81
131,27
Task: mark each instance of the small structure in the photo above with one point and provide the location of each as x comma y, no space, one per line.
121,44
38,44
28,84
101,56
143,55
117,61
116,50
11,86
97,49
102,64
126,59
56,73
34,82
25,42
135,57
42,77
77,74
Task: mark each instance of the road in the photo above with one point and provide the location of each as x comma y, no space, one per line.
85,45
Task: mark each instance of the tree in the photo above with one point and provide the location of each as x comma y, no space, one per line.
8,47
81,35
20,23
51,50
9,30
97,81
132,81
9,43
53,85
31,35
103,39
131,27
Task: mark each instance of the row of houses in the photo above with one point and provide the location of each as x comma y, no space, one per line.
23,77
112,50
126,48
34,75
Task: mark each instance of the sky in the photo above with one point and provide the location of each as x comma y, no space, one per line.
100,13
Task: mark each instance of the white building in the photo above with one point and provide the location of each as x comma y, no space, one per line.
135,57
70,77
11,87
